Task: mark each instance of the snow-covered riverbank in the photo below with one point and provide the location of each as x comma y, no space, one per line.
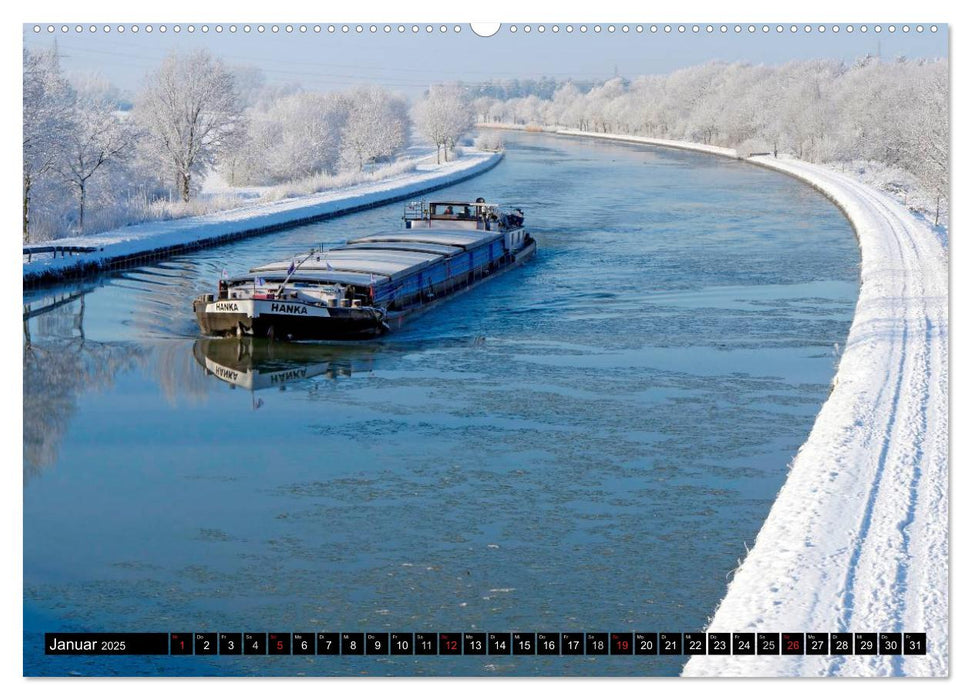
627,138
144,241
645,141
857,539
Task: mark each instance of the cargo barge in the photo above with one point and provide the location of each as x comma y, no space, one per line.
371,284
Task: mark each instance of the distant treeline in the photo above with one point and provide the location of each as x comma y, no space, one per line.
893,113
94,159
544,88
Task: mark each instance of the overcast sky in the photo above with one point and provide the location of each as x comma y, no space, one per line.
409,62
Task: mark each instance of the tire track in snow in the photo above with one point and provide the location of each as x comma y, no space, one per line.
930,466
863,532
919,425
889,554
883,557
885,583
795,575
912,447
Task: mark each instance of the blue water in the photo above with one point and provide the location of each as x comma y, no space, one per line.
584,444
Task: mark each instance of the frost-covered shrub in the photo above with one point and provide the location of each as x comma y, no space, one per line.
489,141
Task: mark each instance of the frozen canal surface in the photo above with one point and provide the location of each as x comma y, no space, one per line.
584,444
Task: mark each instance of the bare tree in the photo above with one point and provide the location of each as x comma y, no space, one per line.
443,116
189,104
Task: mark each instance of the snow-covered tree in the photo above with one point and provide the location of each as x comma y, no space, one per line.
97,138
47,103
377,126
444,116
233,151
294,136
188,106
567,107
926,134
890,112
484,107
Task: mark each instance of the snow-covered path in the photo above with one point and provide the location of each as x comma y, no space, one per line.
157,238
857,539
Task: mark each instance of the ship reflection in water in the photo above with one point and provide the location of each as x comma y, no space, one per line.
257,363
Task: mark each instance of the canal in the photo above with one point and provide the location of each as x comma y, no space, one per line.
585,444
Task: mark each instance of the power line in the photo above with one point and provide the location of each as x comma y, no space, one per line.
152,55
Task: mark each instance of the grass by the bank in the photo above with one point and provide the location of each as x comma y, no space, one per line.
138,208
